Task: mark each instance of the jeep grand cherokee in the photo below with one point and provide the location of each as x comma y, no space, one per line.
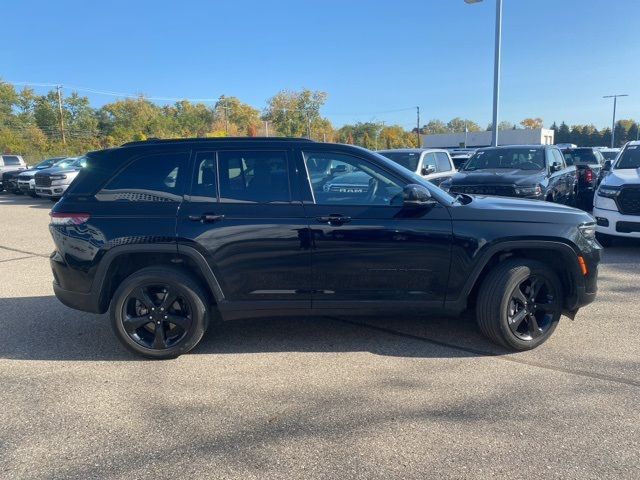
170,235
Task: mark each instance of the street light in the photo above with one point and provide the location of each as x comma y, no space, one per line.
613,124
496,68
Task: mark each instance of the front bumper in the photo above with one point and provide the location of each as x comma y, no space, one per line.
54,191
610,222
27,187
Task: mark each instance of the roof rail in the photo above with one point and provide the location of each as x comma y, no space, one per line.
214,139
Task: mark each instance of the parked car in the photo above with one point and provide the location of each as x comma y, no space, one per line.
529,171
609,153
53,182
171,236
460,156
616,204
433,164
25,179
9,165
588,162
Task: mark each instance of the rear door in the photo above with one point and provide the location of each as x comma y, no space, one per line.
242,216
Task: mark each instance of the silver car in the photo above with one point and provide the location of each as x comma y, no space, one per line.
53,182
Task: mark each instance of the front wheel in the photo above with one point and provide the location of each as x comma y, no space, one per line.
159,312
519,304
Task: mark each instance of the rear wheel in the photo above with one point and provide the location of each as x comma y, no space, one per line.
159,312
519,304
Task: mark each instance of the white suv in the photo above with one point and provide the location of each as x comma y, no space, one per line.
432,164
616,204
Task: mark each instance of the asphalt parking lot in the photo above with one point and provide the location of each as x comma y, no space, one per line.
309,397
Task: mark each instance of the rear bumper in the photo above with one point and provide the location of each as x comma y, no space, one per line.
76,300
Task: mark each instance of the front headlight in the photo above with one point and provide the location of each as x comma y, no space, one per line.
529,190
608,192
57,177
588,230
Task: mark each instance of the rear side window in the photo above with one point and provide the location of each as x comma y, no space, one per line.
205,181
253,176
151,178
11,160
442,162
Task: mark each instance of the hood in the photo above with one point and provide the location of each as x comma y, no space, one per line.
507,209
500,176
57,170
12,173
29,173
619,177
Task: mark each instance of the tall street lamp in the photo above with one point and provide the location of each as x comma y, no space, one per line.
613,124
496,68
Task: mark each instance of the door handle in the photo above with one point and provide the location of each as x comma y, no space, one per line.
205,218
333,219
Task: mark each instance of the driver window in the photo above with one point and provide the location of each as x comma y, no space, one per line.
338,179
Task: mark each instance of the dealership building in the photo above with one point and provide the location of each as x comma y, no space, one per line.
521,136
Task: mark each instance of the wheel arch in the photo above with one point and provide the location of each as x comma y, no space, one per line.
561,257
122,261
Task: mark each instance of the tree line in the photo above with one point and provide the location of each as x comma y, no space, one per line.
37,126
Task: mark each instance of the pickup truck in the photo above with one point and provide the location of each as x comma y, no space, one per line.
588,162
528,171
432,164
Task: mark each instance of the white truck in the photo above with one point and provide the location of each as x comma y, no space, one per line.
433,164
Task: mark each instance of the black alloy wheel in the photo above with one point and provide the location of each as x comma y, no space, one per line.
532,307
156,316
160,312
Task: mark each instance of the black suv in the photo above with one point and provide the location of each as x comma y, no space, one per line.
172,235
529,171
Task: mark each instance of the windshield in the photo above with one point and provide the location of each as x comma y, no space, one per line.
630,158
408,160
508,158
67,162
80,162
44,164
580,156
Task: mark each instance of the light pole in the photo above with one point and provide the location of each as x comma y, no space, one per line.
613,124
496,69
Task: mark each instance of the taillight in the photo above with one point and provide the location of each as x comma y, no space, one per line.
58,218
588,175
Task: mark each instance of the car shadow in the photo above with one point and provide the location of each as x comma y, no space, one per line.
7,198
41,328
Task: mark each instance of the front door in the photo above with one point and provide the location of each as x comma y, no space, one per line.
242,217
368,249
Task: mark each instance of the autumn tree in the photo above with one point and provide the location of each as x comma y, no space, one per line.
532,123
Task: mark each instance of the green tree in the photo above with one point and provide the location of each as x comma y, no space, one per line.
459,125
435,127
294,113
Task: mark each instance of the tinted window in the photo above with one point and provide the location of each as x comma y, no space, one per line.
630,158
253,176
11,160
205,181
442,162
508,158
362,184
581,156
609,155
152,178
408,160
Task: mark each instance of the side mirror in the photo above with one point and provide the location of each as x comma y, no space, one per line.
555,167
607,165
416,196
428,170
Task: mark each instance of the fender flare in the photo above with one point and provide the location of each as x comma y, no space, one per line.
567,252
176,249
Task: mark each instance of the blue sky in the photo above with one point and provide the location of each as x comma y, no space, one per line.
376,60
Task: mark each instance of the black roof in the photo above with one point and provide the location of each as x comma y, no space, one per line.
215,139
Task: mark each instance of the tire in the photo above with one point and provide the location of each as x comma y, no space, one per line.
604,239
126,308
497,298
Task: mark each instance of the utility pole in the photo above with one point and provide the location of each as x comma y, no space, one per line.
59,88
418,130
613,124
266,127
308,126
